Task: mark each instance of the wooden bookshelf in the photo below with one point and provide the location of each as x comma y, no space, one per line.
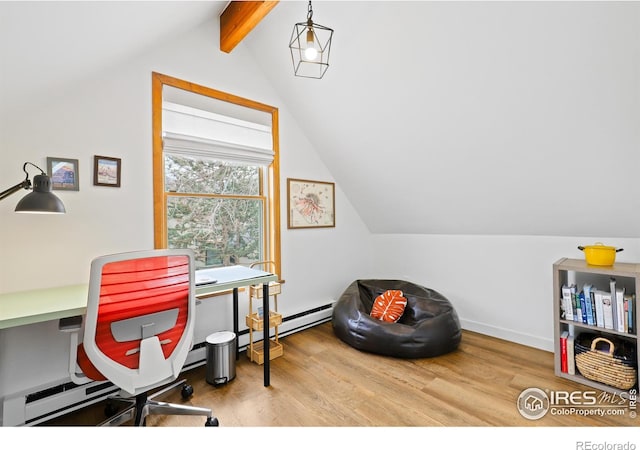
576,271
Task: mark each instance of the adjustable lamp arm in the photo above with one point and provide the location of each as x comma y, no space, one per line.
25,184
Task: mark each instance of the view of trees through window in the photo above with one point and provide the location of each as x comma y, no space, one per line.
216,209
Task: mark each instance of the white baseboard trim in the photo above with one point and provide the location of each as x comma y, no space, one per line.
508,335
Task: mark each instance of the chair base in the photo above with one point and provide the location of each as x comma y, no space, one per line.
139,407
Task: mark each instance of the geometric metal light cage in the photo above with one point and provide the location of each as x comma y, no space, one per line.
310,47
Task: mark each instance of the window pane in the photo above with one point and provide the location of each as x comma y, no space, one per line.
193,175
221,232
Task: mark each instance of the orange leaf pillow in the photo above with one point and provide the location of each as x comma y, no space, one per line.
389,306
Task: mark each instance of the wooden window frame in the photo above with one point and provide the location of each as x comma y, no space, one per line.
272,183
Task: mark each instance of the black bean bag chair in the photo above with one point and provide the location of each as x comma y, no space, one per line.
428,327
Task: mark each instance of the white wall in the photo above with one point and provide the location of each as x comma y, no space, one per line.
499,285
111,115
474,117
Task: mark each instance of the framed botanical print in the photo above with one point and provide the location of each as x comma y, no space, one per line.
310,204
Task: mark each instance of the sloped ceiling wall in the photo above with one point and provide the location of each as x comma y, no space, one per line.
514,118
500,118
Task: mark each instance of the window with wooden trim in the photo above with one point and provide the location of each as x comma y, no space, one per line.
216,181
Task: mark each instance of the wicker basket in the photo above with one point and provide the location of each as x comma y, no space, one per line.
613,363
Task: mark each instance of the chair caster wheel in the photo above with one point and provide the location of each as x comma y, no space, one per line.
187,391
212,422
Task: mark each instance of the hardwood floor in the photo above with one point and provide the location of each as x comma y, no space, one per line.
322,382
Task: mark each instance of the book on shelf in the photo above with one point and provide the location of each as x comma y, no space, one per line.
563,352
567,302
629,309
614,303
577,307
597,296
620,315
633,323
626,313
588,300
571,358
593,307
583,307
607,307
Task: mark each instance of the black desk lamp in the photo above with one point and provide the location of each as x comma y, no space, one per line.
41,200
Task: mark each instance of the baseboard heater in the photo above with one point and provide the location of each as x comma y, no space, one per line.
39,406
290,325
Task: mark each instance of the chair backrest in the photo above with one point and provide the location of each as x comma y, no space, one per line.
140,316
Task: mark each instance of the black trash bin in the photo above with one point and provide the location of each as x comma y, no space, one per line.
221,357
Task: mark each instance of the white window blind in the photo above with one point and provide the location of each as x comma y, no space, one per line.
192,132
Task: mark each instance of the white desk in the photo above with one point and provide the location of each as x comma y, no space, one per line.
40,305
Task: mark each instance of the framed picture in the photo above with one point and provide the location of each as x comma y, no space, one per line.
63,173
106,171
310,204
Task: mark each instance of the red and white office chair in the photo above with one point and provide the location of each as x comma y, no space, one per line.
138,330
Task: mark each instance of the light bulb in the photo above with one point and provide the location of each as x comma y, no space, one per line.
310,53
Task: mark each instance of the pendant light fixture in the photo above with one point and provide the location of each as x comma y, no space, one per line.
310,46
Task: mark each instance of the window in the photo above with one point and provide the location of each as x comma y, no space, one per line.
216,189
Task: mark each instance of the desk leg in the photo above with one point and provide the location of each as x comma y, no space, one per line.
235,320
266,340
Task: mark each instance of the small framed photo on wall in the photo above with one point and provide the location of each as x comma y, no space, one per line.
63,173
106,171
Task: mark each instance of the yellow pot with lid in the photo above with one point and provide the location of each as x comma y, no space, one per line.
600,254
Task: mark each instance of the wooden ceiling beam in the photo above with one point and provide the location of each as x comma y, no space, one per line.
238,19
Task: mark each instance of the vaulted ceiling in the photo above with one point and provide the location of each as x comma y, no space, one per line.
434,117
